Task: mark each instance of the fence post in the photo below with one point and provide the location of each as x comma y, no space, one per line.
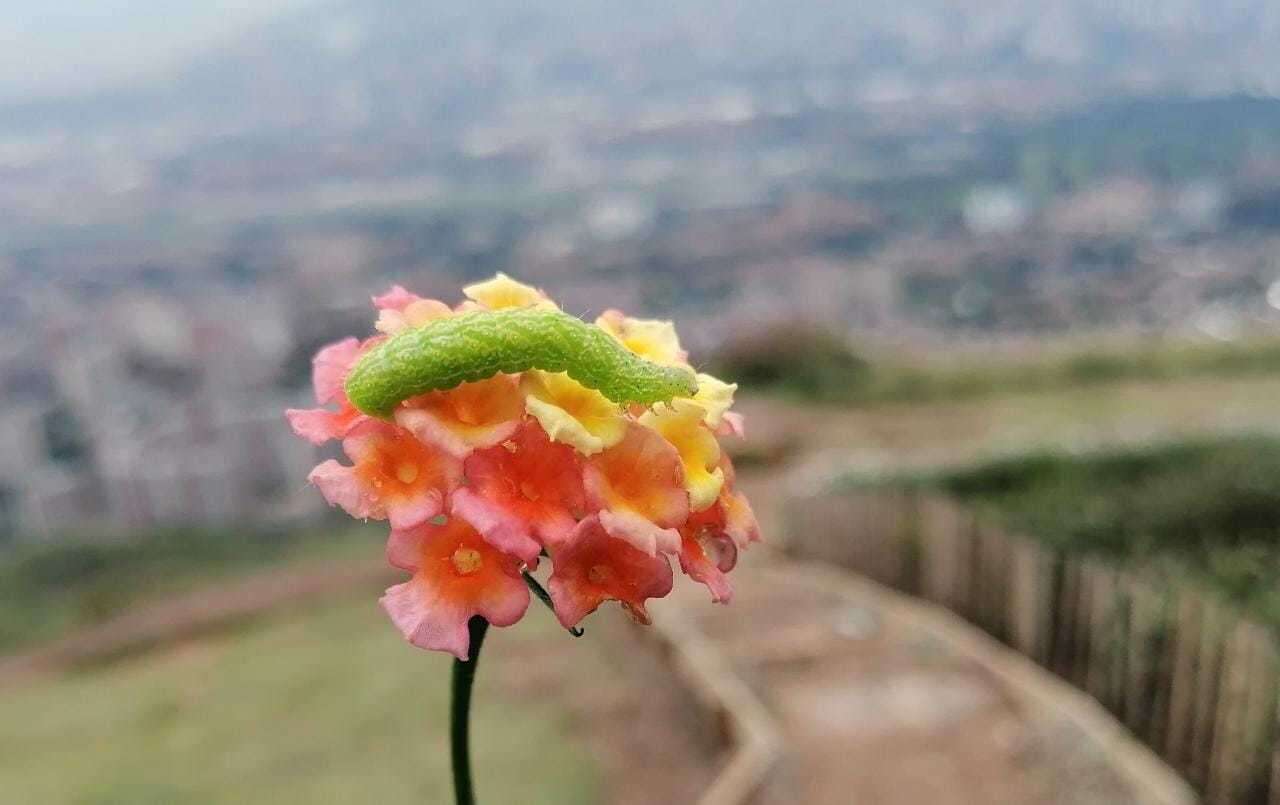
1186,643
1146,678
1264,696
1030,600
1065,609
939,528
1274,798
1208,669
1105,639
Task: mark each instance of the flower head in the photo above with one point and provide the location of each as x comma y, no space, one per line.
483,480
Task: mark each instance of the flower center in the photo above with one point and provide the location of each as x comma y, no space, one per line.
528,490
467,412
599,574
466,561
406,472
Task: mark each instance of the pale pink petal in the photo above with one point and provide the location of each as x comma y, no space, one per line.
428,620
739,520
501,530
449,437
707,561
318,425
733,424
330,368
715,581
362,442
504,604
396,298
570,603
553,527
404,548
639,532
415,510
340,487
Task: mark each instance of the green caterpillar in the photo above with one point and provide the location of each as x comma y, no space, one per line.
474,346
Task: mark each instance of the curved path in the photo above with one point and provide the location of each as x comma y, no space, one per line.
880,698
877,698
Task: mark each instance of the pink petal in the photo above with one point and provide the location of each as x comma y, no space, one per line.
340,487
499,528
504,604
740,521
416,510
732,424
396,298
639,532
404,548
432,430
330,367
318,425
427,620
700,567
570,605
632,576
553,527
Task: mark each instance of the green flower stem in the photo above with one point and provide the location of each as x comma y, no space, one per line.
464,673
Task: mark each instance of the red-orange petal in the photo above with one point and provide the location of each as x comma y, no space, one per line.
526,489
592,567
708,552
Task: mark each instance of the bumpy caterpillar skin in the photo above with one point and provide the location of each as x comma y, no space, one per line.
474,346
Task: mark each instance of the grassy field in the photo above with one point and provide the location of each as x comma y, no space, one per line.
324,706
48,589
833,372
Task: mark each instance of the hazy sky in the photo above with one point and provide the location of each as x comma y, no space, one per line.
59,46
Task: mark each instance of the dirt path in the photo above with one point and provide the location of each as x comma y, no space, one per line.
874,709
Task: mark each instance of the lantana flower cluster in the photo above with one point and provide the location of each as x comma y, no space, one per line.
483,481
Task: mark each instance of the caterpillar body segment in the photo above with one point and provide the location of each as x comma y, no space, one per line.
474,346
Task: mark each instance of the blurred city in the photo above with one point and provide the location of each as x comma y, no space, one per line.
999,282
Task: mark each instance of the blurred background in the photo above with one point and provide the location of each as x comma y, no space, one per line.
1000,282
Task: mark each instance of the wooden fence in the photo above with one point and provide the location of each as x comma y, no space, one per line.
1194,679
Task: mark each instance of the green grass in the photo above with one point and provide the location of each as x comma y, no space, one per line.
50,588
329,706
1208,508
818,366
